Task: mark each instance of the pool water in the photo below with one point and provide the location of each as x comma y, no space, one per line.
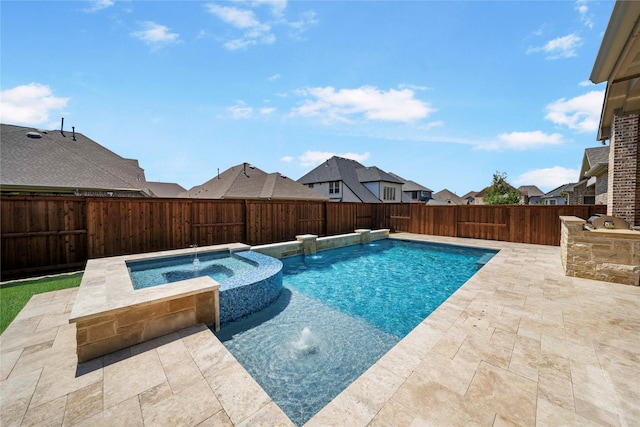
220,266
340,311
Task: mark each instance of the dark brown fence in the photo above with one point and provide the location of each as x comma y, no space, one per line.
42,234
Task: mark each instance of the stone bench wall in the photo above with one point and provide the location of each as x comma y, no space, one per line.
608,255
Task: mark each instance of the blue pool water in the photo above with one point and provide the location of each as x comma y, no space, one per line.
340,311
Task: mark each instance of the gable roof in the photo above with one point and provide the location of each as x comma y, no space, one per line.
246,181
450,197
51,160
409,185
375,174
341,169
595,161
530,191
557,192
165,189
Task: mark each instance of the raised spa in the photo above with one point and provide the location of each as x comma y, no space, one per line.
249,281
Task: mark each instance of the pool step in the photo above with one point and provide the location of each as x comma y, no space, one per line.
484,258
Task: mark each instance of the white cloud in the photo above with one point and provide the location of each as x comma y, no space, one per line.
98,5
274,77
547,178
583,11
581,113
585,83
372,103
29,104
267,110
561,47
522,140
240,111
287,159
314,158
253,26
155,34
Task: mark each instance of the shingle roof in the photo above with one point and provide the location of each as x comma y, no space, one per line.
530,191
54,160
595,161
375,174
341,169
165,189
557,192
450,197
409,185
245,181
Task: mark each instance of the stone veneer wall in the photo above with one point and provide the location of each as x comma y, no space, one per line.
611,256
122,328
623,199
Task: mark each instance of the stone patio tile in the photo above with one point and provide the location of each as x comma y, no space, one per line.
205,349
16,394
8,361
155,394
131,377
188,407
173,352
511,396
548,414
15,338
219,419
435,404
182,374
393,414
239,394
594,393
455,374
34,357
268,416
125,413
47,414
83,404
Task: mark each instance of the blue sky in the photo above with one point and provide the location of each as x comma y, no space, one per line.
444,93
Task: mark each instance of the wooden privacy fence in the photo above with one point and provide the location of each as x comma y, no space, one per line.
42,234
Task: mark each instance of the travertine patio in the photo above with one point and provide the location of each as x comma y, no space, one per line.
518,344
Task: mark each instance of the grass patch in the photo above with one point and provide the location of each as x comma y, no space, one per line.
15,295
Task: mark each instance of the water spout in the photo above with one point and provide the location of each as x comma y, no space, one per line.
196,261
307,342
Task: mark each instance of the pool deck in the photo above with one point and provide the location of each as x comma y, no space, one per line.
519,344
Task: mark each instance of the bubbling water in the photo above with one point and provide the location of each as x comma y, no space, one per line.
307,343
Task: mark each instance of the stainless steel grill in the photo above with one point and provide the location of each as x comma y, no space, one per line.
599,221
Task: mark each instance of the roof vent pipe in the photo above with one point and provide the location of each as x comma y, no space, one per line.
62,127
73,129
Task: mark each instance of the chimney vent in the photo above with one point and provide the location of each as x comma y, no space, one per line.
73,129
62,127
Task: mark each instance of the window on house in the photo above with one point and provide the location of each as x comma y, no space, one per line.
334,187
414,195
389,193
589,200
552,202
310,185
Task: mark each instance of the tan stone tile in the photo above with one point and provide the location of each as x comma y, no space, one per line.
125,413
182,408
392,414
83,404
17,339
182,374
448,345
596,413
455,374
7,362
548,414
474,349
239,394
125,379
207,350
511,396
270,415
219,419
16,394
155,395
594,393
173,352
435,404
556,388
47,414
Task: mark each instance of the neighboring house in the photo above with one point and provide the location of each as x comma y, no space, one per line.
470,197
531,194
59,162
165,189
246,181
559,195
448,197
594,178
345,180
617,64
412,192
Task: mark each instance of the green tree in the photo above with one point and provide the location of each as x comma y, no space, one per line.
501,192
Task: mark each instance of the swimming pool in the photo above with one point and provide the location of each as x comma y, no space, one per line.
341,310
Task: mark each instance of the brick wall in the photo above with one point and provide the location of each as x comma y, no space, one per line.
624,169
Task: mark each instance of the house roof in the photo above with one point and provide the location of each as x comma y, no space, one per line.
595,161
409,185
530,191
341,169
375,174
618,64
165,189
470,194
246,181
557,192
53,160
450,197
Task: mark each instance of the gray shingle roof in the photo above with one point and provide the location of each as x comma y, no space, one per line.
245,181
557,192
530,191
341,169
55,160
165,189
450,197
